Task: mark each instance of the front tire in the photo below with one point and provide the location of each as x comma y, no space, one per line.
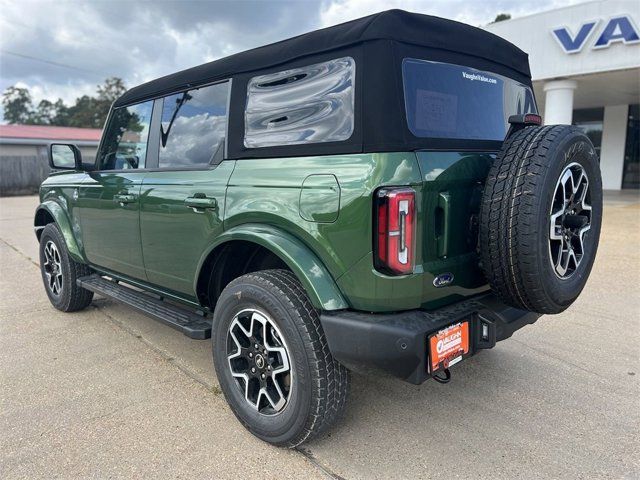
60,272
272,359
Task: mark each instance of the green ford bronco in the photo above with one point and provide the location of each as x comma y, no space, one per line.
378,196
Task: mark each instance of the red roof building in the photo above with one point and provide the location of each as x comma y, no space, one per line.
41,134
24,153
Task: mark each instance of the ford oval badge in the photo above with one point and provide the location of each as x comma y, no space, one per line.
443,280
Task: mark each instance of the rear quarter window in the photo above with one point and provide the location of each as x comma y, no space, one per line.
311,104
444,100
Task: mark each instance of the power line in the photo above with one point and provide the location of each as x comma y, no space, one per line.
56,64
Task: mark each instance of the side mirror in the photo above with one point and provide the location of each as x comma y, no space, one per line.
65,156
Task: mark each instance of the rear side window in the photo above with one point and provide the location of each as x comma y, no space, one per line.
444,100
193,127
124,145
312,104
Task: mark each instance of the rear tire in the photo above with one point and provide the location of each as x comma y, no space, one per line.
281,326
540,218
60,272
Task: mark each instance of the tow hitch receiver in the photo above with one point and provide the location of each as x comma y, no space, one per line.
445,379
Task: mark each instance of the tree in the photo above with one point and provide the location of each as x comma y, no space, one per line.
87,111
108,93
44,114
84,113
17,105
62,116
112,89
501,17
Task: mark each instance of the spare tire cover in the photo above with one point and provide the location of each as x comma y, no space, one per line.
540,218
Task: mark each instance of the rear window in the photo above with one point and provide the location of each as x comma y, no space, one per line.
193,127
443,100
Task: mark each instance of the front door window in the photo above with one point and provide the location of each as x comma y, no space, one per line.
124,145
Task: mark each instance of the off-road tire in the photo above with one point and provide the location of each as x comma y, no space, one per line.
515,219
71,297
320,384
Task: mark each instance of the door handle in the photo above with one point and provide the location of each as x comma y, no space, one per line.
123,198
200,200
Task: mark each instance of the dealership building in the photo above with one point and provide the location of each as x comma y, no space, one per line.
585,65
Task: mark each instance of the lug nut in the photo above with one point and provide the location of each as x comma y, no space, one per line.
256,345
253,370
250,355
268,367
263,376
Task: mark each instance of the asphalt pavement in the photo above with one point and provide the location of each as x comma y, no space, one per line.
109,393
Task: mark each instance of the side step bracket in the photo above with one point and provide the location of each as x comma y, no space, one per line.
182,319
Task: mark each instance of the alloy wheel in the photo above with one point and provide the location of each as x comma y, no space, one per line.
53,268
259,361
570,220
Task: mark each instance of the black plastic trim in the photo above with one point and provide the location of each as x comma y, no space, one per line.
396,343
193,323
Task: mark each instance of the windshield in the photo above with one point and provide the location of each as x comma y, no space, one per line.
444,100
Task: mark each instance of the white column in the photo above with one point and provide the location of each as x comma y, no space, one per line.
558,103
614,137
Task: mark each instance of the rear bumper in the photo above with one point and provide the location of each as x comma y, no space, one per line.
396,343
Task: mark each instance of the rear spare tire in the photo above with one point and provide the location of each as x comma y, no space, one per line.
540,218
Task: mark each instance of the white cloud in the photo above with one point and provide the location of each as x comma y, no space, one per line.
473,12
64,49
193,139
74,45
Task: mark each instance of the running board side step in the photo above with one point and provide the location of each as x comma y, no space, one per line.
192,324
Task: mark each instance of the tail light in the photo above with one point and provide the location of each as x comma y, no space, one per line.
526,119
394,246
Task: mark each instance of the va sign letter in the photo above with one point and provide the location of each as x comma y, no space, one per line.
617,29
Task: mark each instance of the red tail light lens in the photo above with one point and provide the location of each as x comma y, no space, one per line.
533,118
395,230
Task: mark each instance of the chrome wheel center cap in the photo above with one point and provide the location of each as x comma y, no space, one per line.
260,363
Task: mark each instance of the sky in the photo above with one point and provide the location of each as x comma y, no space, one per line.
63,49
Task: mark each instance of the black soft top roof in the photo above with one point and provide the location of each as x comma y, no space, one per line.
395,25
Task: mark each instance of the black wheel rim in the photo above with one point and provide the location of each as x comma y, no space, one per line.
53,268
259,361
570,220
